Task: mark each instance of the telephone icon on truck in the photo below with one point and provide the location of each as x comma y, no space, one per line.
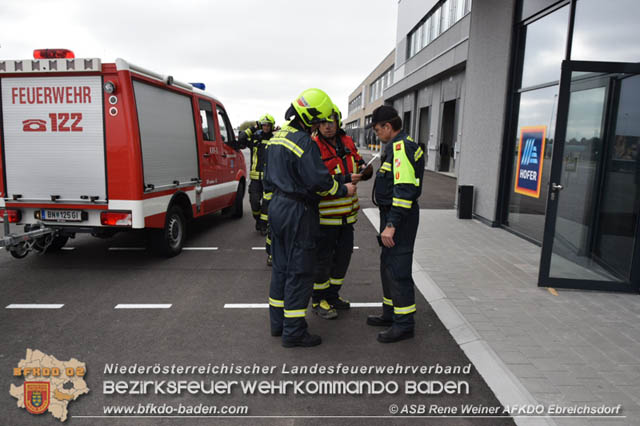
34,125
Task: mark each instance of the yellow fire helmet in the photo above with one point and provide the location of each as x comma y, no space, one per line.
313,106
267,119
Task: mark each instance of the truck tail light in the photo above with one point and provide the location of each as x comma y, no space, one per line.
116,218
14,215
53,54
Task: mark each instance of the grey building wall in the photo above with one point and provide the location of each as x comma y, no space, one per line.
433,96
360,134
410,12
484,112
434,75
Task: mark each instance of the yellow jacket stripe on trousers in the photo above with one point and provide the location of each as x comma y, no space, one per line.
404,310
295,313
399,202
321,286
276,303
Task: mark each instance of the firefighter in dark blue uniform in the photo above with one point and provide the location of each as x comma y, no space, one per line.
397,187
299,179
256,138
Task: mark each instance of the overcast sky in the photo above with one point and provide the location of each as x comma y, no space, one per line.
254,56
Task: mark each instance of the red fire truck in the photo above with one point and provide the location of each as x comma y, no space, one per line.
92,147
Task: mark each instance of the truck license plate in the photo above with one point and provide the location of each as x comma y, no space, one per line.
62,215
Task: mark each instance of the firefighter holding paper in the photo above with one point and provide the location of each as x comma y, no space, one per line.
397,187
337,217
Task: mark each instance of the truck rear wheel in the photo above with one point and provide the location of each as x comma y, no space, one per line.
170,240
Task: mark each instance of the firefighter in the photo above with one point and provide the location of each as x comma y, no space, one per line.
337,216
256,139
299,179
397,187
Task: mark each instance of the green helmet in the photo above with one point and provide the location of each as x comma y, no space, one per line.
338,115
313,106
267,119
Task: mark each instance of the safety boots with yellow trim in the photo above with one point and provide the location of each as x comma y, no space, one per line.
339,303
324,310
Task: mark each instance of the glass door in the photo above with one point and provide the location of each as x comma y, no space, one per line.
591,227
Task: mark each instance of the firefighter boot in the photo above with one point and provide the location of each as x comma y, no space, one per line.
324,310
306,340
339,303
395,334
262,225
384,320
379,321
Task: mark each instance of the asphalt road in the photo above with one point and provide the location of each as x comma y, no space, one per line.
197,329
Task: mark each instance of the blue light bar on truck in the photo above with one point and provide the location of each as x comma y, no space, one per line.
200,86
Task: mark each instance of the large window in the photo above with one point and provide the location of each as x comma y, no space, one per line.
355,104
545,48
377,87
353,125
526,213
438,20
537,101
606,31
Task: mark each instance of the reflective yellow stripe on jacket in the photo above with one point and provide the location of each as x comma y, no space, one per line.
335,206
287,144
337,221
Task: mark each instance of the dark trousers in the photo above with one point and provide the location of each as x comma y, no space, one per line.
334,249
395,271
255,199
265,216
294,226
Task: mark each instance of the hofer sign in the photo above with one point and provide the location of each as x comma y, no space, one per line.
530,159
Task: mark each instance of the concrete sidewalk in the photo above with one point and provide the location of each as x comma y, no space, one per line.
531,346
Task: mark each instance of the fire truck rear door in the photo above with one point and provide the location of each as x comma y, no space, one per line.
54,137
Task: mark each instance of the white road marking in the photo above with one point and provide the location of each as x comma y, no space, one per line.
266,305
142,306
245,305
199,248
67,248
356,247
34,306
258,248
